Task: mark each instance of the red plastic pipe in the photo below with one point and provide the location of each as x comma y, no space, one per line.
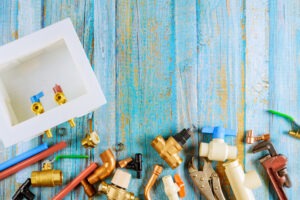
85,173
30,161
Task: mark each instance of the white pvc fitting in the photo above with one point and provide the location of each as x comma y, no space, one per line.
241,184
121,179
171,188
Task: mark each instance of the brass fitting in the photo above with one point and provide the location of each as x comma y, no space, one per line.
125,162
250,138
168,150
61,99
47,177
37,108
88,188
109,164
115,193
156,172
295,133
90,140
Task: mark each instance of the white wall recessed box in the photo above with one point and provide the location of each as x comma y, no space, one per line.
36,63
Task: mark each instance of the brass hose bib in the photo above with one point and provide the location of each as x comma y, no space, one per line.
47,177
61,99
90,140
168,150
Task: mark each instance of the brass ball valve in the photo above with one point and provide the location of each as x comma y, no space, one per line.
118,189
47,177
168,150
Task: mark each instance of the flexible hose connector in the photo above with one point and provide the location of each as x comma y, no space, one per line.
156,172
109,164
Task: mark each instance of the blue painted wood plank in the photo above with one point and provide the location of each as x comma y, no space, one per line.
257,83
221,81
284,86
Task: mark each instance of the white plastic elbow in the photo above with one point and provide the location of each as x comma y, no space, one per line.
171,188
240,182
217,150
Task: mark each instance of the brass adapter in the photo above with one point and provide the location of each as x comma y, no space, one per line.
168,150
109,164
115,193
156,172
88,188
90,140
47,177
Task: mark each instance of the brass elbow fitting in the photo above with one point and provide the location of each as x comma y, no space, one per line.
61,99
115,193
168,150
90,140
156,172
47,177
109,164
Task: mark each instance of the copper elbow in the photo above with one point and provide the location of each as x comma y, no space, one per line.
156,172
109,164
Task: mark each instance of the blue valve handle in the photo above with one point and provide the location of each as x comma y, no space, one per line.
23,156
36,98
218,131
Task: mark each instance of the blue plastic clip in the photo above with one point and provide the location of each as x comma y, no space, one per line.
36,98
218,131
23,156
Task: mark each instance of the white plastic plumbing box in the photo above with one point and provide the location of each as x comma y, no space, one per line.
53,55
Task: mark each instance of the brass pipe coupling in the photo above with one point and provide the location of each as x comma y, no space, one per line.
168,150
90,140
47,177
109,164
118,189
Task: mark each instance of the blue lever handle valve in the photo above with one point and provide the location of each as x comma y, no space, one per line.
218,131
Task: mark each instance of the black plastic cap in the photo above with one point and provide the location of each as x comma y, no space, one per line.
182,136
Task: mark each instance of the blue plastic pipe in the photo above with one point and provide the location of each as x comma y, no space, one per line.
23,156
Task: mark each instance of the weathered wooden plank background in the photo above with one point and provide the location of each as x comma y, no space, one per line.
167,64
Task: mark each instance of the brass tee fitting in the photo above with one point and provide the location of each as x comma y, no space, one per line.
109,164
168,150
47,177
156,172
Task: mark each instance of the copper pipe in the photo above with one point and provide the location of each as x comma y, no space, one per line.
156,172
109,164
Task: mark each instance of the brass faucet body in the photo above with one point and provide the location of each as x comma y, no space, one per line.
47,177
115,193
156,172
38,109
168,150
109,164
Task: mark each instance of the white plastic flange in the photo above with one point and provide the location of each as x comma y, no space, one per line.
240,183
171,188
121,179
217,150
